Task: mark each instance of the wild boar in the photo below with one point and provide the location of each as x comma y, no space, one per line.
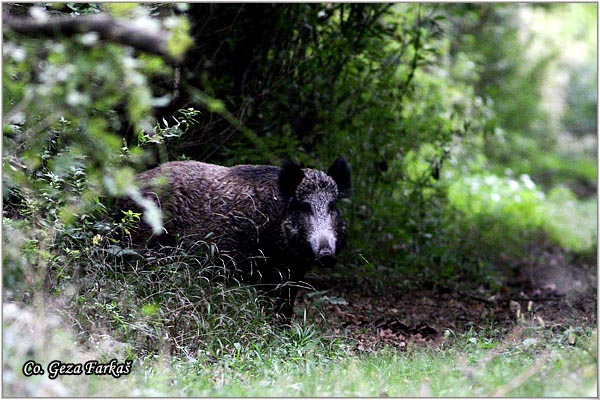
274,222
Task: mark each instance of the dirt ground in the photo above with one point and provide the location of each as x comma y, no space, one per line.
548,293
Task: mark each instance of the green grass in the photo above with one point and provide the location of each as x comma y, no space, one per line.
527,362
465,369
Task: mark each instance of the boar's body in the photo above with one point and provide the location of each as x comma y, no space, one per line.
233,204
274,222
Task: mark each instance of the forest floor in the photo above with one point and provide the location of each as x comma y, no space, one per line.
532,337
552,292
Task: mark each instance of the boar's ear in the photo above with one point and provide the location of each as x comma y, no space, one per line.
290,177
340,172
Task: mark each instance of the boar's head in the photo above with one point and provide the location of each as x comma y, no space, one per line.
313,227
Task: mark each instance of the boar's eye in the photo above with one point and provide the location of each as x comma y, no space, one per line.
305,207
331,206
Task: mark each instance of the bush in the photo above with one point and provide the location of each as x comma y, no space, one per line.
572,223
63,155
505,213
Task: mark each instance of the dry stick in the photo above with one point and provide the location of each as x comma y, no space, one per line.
484,300
108,28
478,298
558,298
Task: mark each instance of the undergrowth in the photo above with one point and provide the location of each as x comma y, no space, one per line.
506,215
527,362
181,301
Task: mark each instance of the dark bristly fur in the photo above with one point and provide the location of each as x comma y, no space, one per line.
275,222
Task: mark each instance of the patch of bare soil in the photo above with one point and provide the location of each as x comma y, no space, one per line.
547,294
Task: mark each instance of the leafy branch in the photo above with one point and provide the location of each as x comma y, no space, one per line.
118,31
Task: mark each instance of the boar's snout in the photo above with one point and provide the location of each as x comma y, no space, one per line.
325,255
326,261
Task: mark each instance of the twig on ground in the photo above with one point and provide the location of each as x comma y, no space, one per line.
520,380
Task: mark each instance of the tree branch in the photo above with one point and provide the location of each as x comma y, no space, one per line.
108,28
